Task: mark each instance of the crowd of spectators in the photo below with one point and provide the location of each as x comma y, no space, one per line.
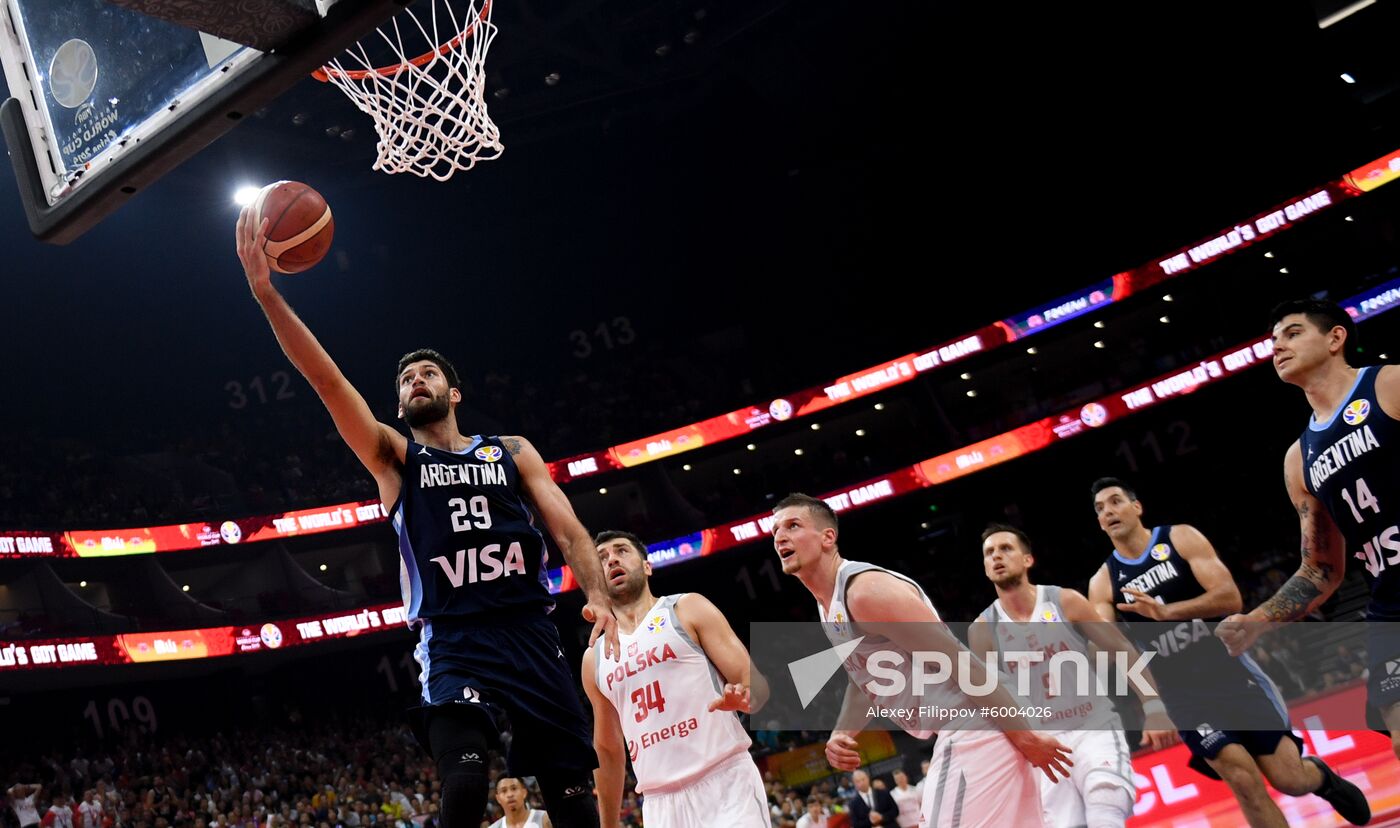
349,772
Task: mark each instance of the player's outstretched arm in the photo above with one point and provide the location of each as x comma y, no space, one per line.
1158,730
887,604
1318,576
570,536
745,689
379,447
1221,596
610,746
842,749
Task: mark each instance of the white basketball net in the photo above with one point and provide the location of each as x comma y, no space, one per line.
430,108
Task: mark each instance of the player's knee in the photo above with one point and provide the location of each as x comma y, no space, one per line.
568,798
1107,804
464,788
463,755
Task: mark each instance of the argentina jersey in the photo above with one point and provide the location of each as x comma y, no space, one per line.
468,543
1189,660
1349,463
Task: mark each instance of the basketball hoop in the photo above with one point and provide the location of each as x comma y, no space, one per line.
429,110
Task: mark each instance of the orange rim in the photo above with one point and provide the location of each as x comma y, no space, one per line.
325,73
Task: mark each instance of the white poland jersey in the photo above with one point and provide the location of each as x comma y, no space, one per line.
661,689
920,719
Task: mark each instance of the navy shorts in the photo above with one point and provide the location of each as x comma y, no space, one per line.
1251,715
513,675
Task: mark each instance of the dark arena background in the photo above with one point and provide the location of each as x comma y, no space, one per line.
943,264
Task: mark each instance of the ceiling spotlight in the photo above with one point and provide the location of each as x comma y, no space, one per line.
324,567
1346,76
663,50
691,37
1268,254
501,93
1032,351
972,392
966,376
603,490
736,471
1283,270
1349,218
879,406
686,467
923,525
1163,319
1100,344
816,426
860,432
552,79
1384,356
798,452
245,195
1099,324
1166,297
751,447
185,588
83,584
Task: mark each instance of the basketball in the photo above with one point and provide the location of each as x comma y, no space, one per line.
300,225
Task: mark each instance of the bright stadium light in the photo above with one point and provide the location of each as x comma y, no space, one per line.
244,195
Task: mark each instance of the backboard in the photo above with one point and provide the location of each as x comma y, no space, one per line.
105,99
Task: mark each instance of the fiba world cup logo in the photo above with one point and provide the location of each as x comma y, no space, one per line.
271,635
1093,415
73,73
230,532
1356,412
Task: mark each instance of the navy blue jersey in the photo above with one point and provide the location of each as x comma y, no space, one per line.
1350,463
1186,650
468,542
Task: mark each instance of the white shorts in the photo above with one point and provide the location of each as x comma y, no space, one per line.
1098,756
730,796
978,780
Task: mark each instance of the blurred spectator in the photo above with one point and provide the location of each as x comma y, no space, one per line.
907,799
59,815
23,798
815,816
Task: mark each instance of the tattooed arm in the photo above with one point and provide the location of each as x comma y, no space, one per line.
1319,574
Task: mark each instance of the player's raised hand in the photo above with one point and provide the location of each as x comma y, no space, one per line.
1144,605
1043,751
842,751
250,240
736,698
600,615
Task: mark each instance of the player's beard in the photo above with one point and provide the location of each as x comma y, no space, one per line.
1011,581
433,411
630,589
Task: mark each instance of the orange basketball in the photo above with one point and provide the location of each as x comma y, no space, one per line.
300,226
